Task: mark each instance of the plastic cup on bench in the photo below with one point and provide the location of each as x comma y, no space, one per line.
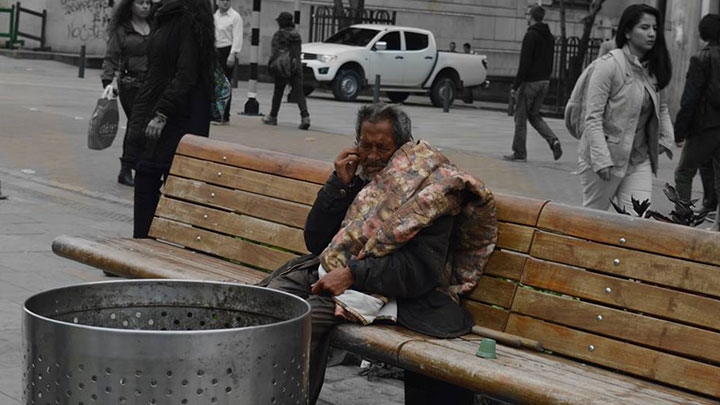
486,349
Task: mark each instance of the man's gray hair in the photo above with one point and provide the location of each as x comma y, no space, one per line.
402,127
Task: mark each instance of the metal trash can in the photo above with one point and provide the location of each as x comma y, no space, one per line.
165,342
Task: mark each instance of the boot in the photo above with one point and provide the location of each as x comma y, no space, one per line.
125,176
304,123
269,120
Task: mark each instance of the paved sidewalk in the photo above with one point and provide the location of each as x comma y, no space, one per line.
56,186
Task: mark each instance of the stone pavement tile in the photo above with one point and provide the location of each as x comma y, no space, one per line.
343,385
10,314
10,385
21,243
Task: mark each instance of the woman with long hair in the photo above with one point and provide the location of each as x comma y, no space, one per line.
627,125
126,61
174,99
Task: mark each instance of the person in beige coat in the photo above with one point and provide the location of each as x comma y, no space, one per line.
627,125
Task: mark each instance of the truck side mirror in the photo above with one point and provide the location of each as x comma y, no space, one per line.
380,46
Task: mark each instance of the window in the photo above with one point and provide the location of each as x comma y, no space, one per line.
393,40
415,41
353,36
579,4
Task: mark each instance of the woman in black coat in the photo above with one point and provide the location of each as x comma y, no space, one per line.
174,99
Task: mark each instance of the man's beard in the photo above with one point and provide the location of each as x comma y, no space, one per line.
368,173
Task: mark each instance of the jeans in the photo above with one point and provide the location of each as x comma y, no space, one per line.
222,57
296,83
147,196
127,99
637,184
529,99
698,152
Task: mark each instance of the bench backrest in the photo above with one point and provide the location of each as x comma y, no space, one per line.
628,294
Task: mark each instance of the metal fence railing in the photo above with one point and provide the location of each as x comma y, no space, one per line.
563,79
324,21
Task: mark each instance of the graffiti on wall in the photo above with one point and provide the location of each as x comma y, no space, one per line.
86,19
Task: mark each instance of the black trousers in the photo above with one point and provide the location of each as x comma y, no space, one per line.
146,198
222,57
296,83
127,99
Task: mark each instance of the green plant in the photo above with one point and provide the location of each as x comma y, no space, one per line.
682,214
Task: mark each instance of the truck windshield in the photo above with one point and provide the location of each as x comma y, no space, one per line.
353,36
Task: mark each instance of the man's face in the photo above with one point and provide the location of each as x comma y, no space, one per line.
375,147
223,5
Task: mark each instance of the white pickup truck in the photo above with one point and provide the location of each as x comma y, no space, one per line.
407,60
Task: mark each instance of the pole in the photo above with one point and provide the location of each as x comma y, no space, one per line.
446,98
252,107
292,97
376,90
81,64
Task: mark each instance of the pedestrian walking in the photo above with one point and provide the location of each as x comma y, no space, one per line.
452,46
125,64
228,43
697,124
627,125
531,85
286,44
467,48
174,99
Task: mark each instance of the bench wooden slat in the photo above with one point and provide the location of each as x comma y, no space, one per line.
640,329
505,264
494,291
595,382
246,180
514,237
273,209
513,376
145,258
259,256
487,316
636,233
517,209
239,225
281,164
649,299
636,360
667,271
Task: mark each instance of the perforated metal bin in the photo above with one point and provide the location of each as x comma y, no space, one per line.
165,342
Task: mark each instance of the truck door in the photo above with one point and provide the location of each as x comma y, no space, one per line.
419,58
389,63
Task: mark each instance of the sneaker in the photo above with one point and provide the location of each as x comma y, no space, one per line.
220,122
515,158
304,123
269,120
556,149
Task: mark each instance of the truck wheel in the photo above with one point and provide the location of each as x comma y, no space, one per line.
437,92
307,90
398,96
346,85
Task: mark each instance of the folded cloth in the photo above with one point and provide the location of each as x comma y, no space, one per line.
417,186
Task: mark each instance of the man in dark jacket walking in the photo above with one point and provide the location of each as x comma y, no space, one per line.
531,85
697,125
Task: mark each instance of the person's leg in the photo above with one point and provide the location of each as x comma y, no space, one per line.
707,176
277,96
636,184
323,320
127,160
422,390
520,137
540,90
693,154
597,192
297,87
223,54
147,196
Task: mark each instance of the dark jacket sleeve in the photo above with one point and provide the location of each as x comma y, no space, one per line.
413,270
690,104
113,56
526,51
187,73
328,211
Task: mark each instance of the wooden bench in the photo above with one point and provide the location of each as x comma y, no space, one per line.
627,309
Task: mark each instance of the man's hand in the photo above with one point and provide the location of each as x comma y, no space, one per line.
231,60
604,174
335,282
346,164
155,127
